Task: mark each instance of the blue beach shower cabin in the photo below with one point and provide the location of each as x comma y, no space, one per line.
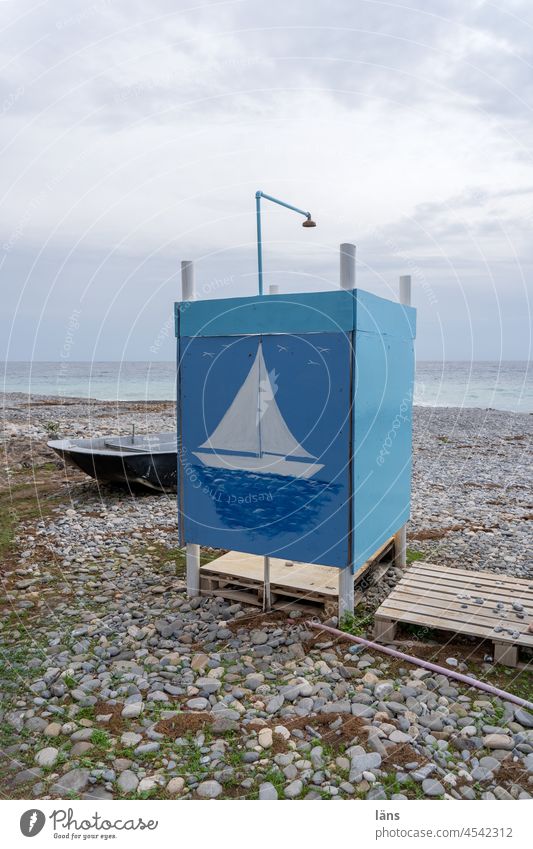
294,418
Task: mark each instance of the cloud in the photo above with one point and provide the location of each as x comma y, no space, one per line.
135,134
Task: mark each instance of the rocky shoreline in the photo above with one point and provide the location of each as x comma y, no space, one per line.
115,685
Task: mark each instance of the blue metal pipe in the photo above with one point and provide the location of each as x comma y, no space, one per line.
259,241
258,196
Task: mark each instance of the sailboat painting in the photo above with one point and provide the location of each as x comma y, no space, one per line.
264,424
253,435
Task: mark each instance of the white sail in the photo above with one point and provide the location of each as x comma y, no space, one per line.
253,424
237,429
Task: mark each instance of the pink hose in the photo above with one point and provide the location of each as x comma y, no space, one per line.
425,664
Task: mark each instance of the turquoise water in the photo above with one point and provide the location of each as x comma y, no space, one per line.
502,386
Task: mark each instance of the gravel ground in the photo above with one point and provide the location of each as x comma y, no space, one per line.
114,685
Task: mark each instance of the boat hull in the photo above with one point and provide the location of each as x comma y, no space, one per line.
267,464
152,469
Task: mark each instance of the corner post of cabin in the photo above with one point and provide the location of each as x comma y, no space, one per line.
192,551
346,577
273,289
400,537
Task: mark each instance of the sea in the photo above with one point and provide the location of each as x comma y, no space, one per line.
497,385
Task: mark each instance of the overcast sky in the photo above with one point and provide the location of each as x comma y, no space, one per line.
134,134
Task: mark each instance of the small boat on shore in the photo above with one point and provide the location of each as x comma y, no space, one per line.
144,460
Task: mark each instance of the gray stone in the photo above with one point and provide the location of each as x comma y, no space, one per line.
294,789
47,757
498,741
489,763
129,711
208,685
209,789
432,787
342,706
480,773
175,786
383,689
377,792
523,717
258,638
502,794
275,704
130,738
72,782
364,763
267,791
198,704
362,710
128,781
400,737
146,748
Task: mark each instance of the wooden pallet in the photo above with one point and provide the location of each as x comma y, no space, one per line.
434,596
239,577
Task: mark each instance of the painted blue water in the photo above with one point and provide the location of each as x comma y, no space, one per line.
500,385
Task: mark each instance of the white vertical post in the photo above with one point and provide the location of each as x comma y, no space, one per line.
347,269
400,537
346,578
192,550
273,289
405,290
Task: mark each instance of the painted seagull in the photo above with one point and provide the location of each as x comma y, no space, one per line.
282,348
208,354
323,350
312,363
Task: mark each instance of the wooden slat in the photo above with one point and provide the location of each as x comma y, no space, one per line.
407,599
418,582
436,620
454,625
427,596
465,577
303,582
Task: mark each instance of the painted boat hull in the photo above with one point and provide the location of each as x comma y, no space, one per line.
268,464
150,462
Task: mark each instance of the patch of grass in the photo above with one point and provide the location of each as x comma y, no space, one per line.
234,758
189,757
70,682
101,739
356,623
47,467
85,713
413,555
7,534
517,682
276,777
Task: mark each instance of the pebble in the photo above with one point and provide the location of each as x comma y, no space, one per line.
497,741
128,781
294,789
265,738
176,786
267,791
47,757
72,782
209,789
432,787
